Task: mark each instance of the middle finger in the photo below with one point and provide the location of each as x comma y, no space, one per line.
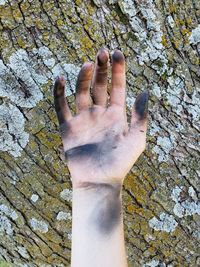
99,82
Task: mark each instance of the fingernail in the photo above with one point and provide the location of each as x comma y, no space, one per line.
102,57
141,105
59,86
88,65
118,56
60,80
57,79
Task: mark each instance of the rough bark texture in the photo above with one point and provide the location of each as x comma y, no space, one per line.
41,39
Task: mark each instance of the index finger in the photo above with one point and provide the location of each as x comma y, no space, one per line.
62,109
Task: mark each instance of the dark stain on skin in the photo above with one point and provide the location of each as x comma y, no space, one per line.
58,85
88,150
108,214
107,211
92,109
64,128
141,105
117,56
59,99
100,153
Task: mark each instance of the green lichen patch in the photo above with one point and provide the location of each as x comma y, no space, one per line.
5,264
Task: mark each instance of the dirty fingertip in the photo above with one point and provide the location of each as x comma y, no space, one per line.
118,56
102,56
59,85
141,105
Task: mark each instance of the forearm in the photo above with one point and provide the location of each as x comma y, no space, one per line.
97,226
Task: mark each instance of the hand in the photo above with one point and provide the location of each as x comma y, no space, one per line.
99,145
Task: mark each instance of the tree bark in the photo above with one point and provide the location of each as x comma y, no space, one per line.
42,39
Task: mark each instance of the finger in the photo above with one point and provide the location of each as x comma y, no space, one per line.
83,99
99,82
118,88
140,112
62,109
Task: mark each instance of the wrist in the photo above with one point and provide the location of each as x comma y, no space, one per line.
100,205
95,184
97,225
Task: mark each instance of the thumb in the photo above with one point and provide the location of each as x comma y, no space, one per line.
140,111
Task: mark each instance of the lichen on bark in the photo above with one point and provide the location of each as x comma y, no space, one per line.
161,44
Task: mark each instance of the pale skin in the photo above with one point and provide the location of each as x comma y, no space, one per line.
100,149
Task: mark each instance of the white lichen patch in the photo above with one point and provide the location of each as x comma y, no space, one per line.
163,147
34,198
129,8
175,193
195,36
187,207
6,213
155,263
3,2
193,106
171,21
69,236
47,265
196,234
19,81
174,90
150,50
40,226
192,193
156,90
66,194
23,252
46,55
63,216
151,47
5,225
130,99
68,70
13,138
176,95
154,128
165,223
152,263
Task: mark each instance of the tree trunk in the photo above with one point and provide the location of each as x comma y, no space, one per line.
42,39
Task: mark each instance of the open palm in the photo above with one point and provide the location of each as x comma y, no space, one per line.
99,145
